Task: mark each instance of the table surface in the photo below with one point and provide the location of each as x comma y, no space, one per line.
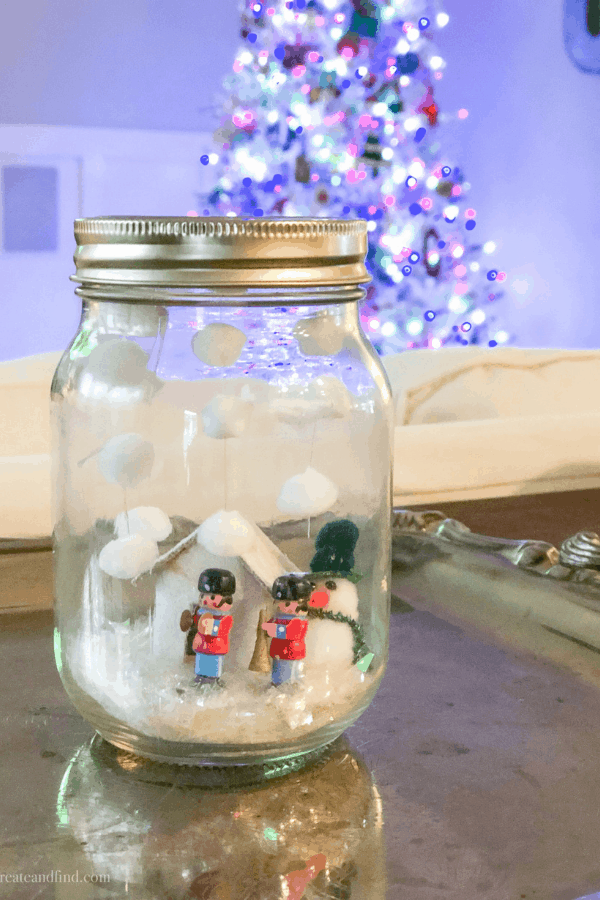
485,759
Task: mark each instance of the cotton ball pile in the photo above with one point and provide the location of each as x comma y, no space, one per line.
226,533
126,459
149,521
118,362
218,344
319,336
225,416
128,556
309,494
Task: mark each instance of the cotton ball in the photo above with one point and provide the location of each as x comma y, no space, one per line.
226,416
148,521
226,533
328,643
128,556
126,460
309,494
319,336
218,344
118,362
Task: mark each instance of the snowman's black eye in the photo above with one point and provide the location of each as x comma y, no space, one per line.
330,585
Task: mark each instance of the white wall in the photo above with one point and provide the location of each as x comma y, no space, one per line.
100,172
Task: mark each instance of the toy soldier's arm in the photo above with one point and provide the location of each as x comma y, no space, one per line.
197,643
270,627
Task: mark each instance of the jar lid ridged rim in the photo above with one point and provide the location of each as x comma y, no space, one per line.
217,251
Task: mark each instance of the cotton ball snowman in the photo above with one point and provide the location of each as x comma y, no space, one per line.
226,416
126,459
330,643
307,495
218,344
148,521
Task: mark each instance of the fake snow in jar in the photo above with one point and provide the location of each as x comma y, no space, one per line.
222,434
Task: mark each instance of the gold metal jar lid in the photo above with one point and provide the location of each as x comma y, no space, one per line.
220,252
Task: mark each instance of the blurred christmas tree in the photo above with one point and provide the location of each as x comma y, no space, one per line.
331,112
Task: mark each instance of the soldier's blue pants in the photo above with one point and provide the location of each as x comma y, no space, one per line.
209,664
284,670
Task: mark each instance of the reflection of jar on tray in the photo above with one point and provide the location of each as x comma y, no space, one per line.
314,834
223,483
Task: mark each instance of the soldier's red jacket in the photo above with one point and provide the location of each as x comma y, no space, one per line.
218,641
289,643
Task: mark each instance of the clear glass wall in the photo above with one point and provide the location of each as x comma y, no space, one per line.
252,439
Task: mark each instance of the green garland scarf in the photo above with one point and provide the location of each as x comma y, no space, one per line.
360,649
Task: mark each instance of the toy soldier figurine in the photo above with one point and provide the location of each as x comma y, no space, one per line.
288,627
211,641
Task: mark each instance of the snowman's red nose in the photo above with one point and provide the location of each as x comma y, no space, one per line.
319,599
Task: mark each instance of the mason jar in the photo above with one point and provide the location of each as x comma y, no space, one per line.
222,489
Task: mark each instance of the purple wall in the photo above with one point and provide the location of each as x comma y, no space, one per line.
529,146
150,64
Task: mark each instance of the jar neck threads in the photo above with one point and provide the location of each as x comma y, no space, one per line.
219,296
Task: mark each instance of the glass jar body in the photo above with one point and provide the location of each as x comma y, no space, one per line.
249,439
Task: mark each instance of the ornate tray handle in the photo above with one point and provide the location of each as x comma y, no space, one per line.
578,559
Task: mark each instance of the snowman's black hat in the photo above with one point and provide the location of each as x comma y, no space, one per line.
217,581
334,546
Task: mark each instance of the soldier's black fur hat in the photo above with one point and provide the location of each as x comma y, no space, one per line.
217,581
292,587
